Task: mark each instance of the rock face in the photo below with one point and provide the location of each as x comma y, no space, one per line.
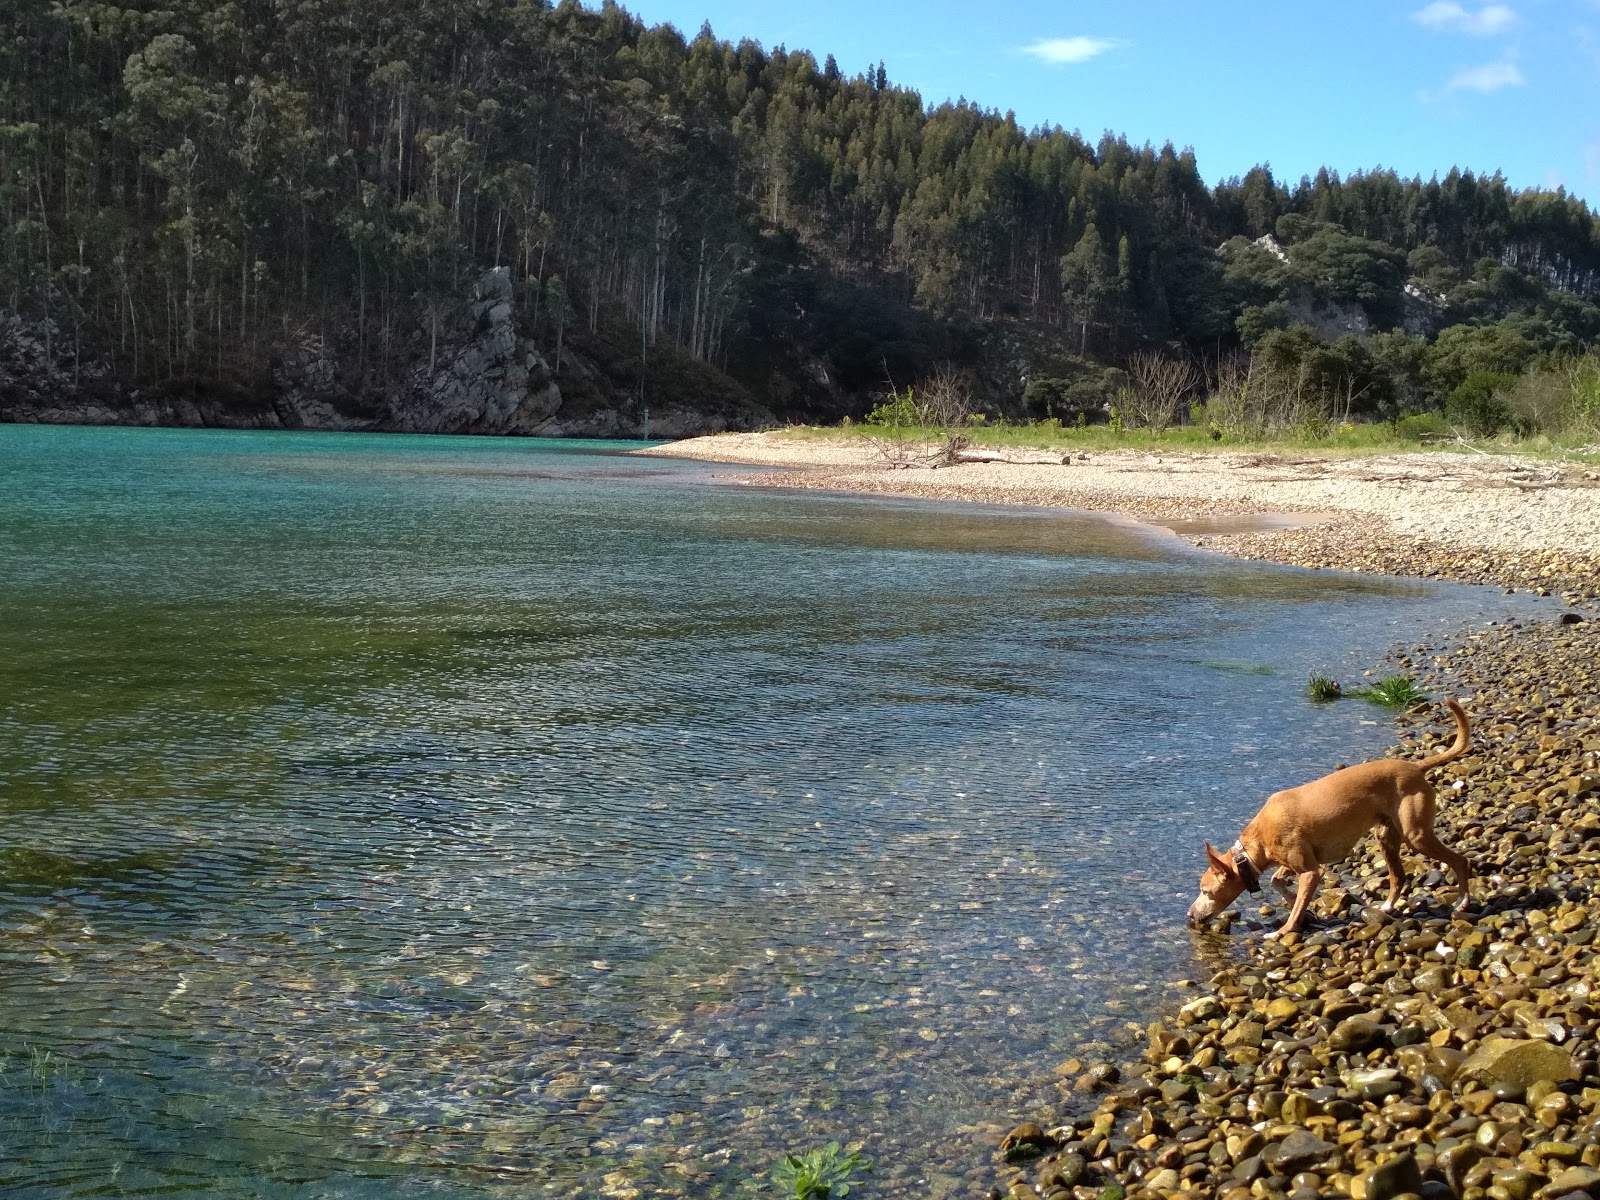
477,373
39,363
491,382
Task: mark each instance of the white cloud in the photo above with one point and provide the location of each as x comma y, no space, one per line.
1486,22
1490,77
1062,51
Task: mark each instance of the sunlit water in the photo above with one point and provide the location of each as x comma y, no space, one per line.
422,816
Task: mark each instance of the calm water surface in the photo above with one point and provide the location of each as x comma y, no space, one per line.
452,817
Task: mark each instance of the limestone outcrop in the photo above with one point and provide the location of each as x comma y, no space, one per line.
475,372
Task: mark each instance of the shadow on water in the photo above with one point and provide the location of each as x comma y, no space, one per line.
469,817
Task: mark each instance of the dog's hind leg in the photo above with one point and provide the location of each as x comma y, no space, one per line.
1389,842
1416,822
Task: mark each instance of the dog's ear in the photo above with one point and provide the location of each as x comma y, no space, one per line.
1218,861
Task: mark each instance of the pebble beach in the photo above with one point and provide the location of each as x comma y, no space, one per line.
1421,1054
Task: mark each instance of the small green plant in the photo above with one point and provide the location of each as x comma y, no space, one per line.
825,1172
898,410
39,1066
1394,691
1322,687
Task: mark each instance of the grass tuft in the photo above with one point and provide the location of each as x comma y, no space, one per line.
1394,691
818,1173
1323,687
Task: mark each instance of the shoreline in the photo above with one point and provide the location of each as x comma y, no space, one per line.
1421,1055
1477,518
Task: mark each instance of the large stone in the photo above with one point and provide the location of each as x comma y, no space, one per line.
1397,1177
1356,1035
1245,1033
1514,1063
1026,1141
1576,1179
1518,1184
1299,1151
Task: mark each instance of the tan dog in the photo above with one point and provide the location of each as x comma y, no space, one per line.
1307,828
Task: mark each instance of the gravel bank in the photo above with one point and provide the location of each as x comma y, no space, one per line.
1403,513
1378,1057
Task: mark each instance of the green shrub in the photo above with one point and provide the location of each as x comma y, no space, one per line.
1478,404
1583,381
896,412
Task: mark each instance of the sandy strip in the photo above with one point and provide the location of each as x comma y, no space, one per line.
1506,519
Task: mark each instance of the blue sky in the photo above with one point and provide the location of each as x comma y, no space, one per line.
1417,86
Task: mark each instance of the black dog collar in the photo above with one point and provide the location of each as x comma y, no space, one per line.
1247,870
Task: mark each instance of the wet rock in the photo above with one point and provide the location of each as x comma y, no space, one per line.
1245,1033
1517,1183
1355,1035
1376,1083
1507,1062
1576,1179
1248,1170
1025,1141
1397,1177
1457,1160
1298,1151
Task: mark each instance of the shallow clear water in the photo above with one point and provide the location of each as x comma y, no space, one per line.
446,816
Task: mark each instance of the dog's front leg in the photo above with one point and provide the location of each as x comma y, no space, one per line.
1278,885
1308,882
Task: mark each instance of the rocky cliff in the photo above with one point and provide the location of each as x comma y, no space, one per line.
478,374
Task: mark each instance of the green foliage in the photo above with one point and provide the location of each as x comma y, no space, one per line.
1323,688
1393,691
1478,403
1421,427
1351,270
1561,399
182,188
819,1173
1258,320
897,411
1583,395
1463,350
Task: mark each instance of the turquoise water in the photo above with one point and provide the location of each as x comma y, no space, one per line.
392,816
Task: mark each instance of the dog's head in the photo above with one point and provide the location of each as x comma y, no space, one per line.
1219,887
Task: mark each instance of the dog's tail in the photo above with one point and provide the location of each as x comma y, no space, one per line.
1463,736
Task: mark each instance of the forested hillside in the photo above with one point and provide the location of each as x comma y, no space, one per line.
287,209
